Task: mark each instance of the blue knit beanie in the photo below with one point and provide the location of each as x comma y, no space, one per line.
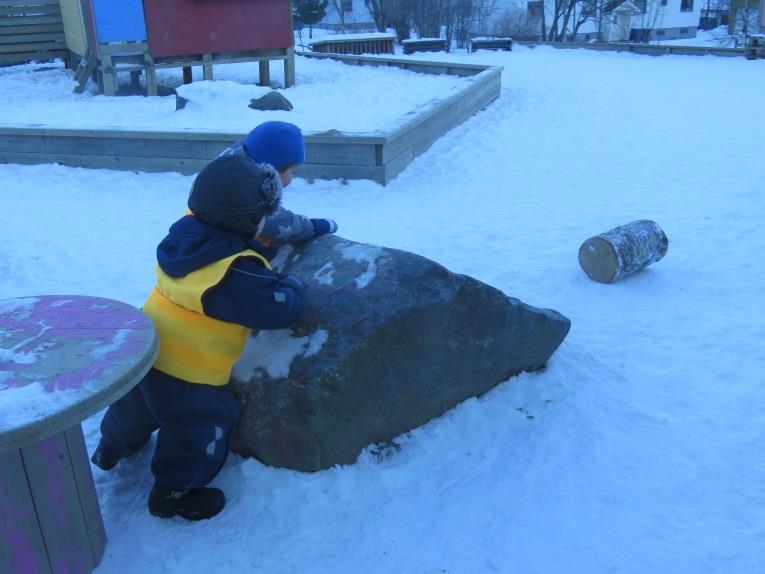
277,143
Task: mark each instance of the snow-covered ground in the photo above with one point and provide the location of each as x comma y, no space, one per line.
639,449
42,94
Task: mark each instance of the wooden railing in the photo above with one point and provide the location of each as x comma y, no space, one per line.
30,30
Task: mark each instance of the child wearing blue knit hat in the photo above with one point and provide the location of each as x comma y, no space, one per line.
281,145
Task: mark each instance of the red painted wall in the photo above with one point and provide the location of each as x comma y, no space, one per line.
184,27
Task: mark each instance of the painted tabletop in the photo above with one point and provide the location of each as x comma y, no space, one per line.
64,358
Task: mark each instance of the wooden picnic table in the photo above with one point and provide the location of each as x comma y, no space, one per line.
62,359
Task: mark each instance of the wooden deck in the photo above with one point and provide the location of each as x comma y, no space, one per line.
379,155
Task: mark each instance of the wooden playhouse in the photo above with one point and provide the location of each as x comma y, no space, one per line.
140,36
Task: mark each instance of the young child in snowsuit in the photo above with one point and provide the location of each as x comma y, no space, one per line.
281,145
213,287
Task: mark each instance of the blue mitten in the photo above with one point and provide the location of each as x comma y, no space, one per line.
293,283
323,226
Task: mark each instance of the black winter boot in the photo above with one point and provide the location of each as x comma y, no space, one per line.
191,504
106,457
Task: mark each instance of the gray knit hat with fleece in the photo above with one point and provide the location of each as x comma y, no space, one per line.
234,192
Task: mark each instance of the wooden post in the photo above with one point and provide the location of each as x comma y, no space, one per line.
135,78
151,74
187,77
109,75
264,72
623,250
289,69
207,69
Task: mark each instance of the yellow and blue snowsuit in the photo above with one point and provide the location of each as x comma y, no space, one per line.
212,289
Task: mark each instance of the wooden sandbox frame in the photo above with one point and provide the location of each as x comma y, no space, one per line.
380,155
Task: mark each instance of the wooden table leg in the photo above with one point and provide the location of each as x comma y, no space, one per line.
51,517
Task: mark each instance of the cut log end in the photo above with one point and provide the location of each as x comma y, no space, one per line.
599,260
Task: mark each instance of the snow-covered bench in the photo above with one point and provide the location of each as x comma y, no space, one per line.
424,45
355,44
491,43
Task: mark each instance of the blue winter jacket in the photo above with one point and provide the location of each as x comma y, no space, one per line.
249,294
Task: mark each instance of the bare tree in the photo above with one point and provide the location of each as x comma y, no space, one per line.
339,7
426,17
378,9
483,11
515,23
743,20
457,19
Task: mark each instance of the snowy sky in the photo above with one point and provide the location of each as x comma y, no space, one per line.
638,450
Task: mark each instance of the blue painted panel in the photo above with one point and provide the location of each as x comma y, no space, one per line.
119,20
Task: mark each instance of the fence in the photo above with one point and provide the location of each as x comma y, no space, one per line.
31,30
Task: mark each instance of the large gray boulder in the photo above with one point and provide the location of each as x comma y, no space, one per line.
388,341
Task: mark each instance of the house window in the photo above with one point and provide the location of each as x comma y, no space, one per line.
683,30
686,5
659,32
663,2
347,6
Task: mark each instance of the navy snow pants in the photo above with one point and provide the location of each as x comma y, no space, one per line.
194,421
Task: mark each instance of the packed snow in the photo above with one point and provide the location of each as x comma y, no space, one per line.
638,449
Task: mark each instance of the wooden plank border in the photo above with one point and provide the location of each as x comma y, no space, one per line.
644,49
378,155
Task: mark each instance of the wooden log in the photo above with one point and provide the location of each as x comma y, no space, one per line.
623,250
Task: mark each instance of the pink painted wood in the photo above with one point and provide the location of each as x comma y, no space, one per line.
62,359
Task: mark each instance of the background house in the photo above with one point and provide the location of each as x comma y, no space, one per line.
347,15
610,21
607,20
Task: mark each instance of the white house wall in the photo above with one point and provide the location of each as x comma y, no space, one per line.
670,23
359,15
